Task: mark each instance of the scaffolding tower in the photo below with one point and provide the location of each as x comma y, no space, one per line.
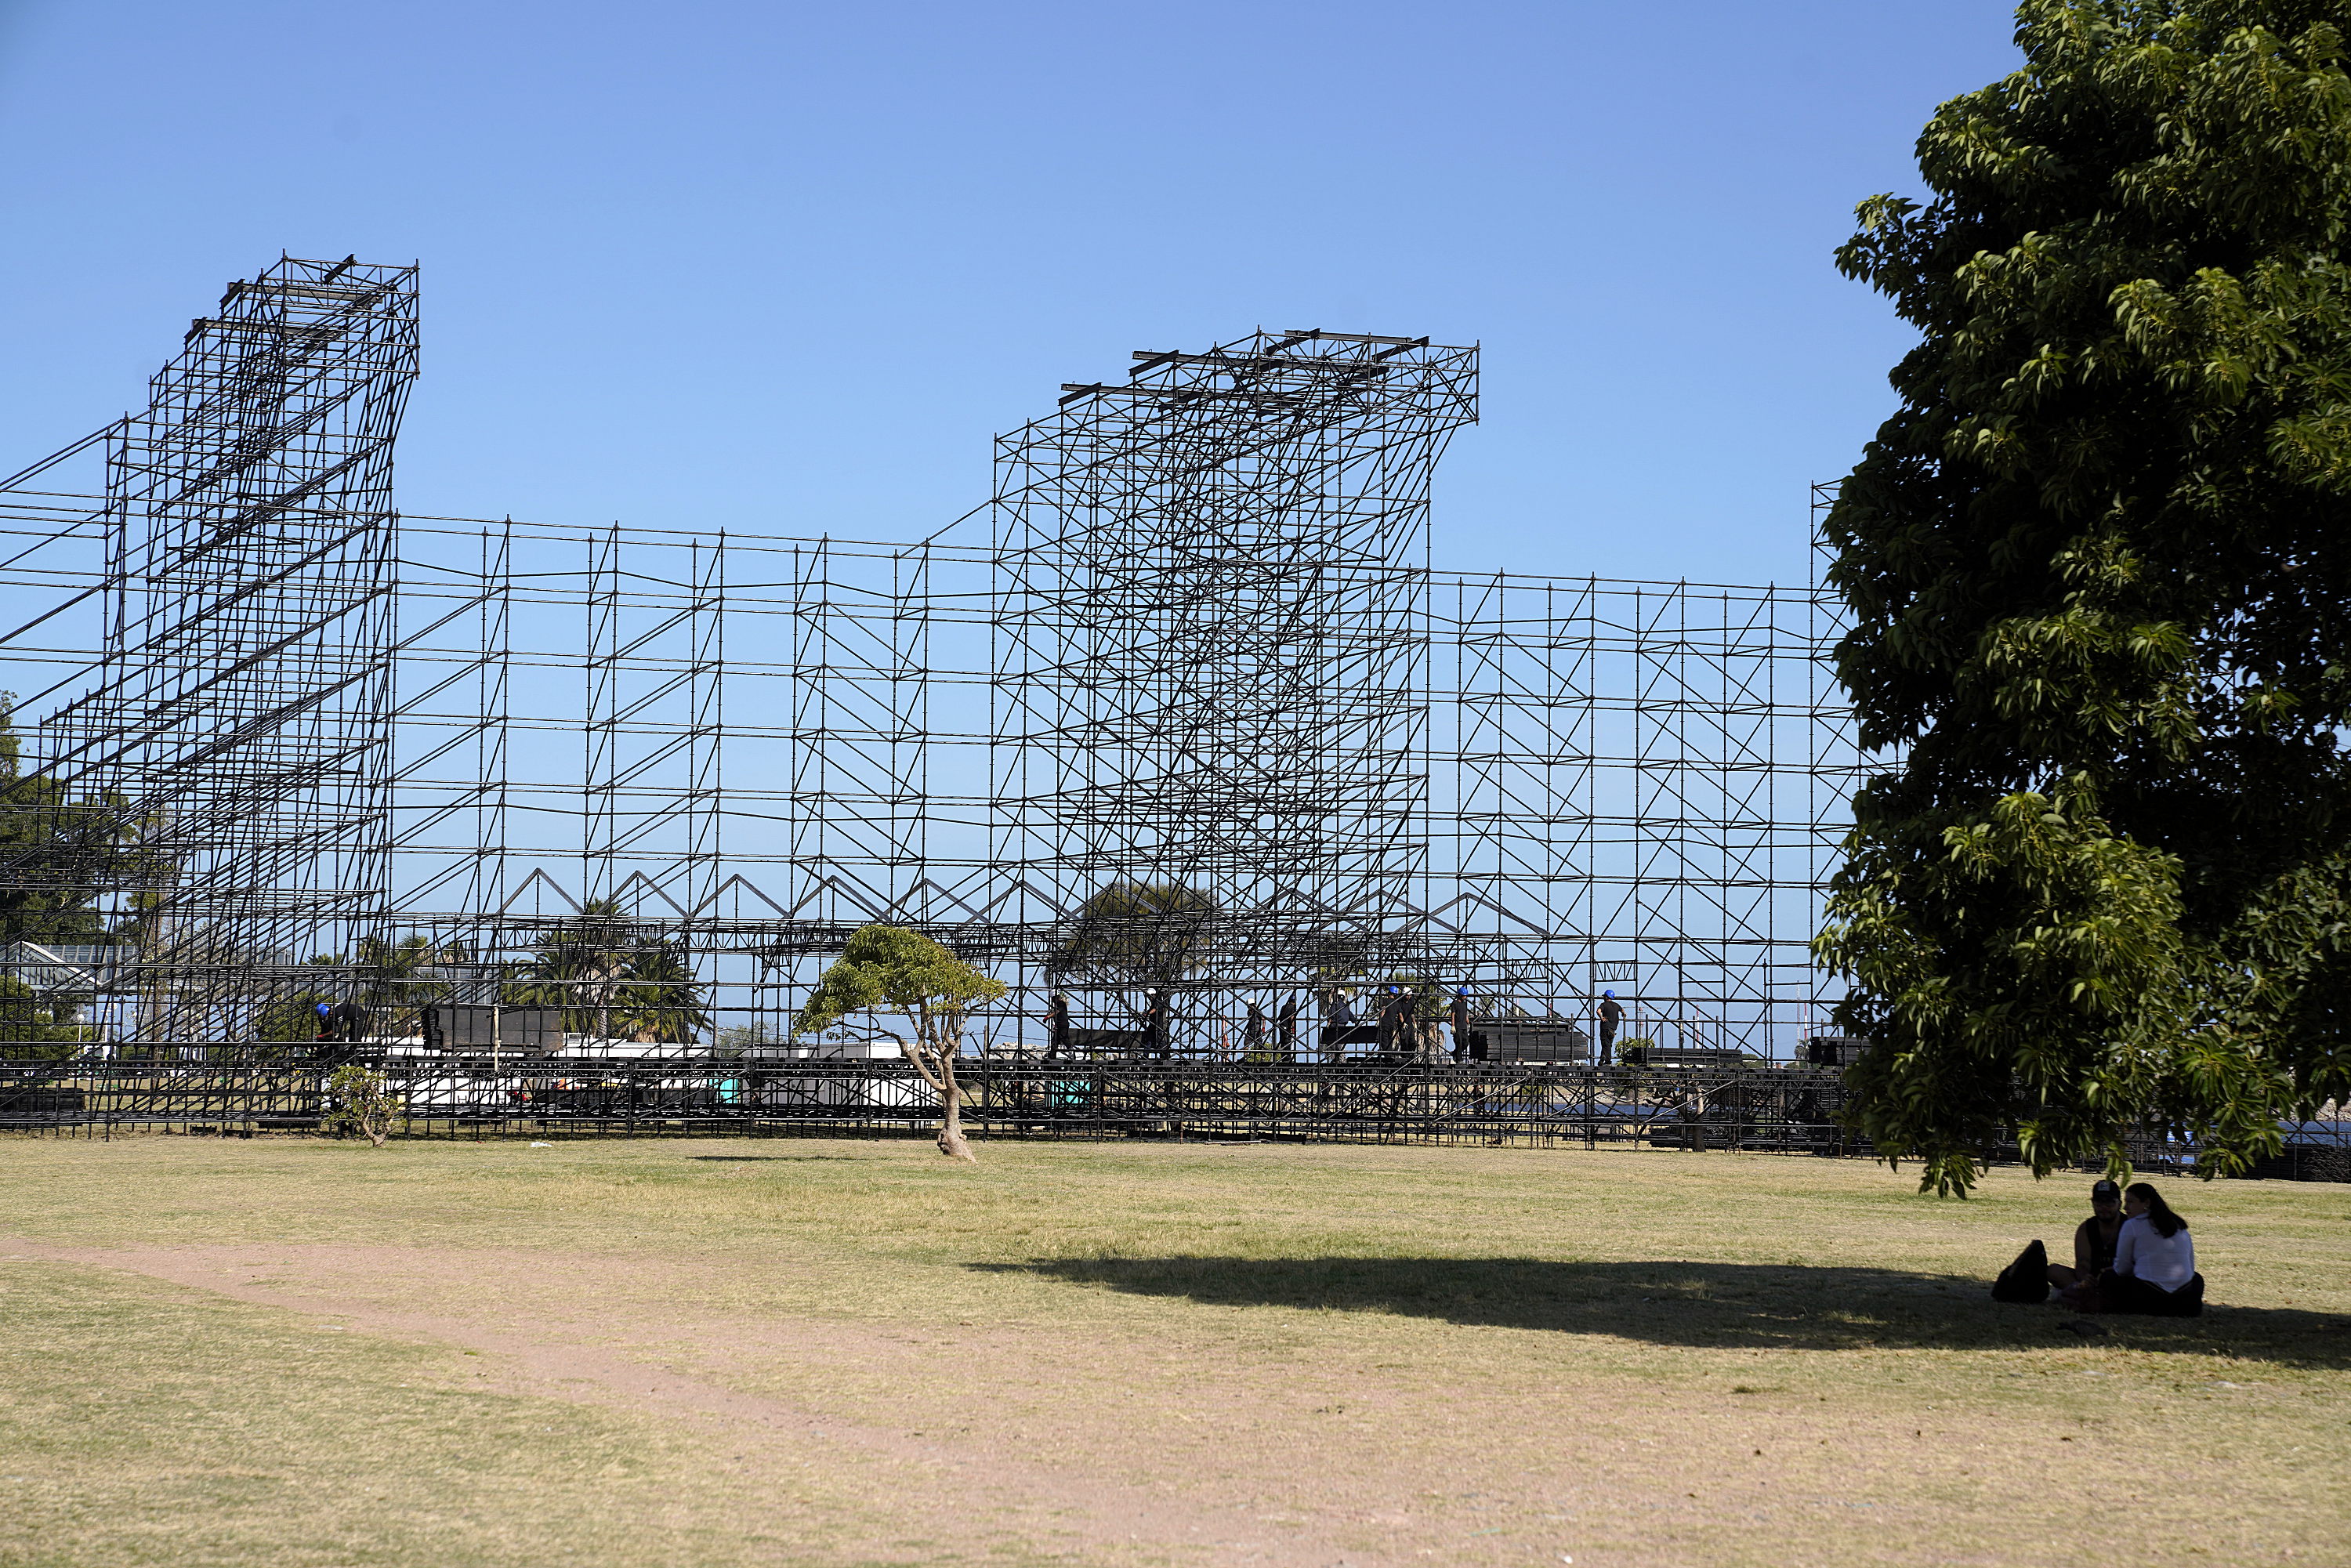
1212,636
236,726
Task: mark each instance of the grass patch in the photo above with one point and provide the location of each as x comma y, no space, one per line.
1463,1355
141,1423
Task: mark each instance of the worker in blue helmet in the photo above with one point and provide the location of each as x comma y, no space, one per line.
1611,1015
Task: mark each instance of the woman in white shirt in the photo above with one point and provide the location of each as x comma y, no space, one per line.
2155,1260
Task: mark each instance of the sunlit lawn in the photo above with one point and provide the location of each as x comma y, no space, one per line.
309,1352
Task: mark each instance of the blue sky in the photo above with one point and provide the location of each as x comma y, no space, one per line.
787,267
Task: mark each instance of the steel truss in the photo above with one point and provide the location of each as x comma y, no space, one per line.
1185,709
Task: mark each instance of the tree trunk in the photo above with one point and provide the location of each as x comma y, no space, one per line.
951,1139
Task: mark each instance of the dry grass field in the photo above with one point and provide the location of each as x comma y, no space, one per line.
307,1353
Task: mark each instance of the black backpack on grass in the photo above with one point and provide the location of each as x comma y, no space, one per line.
2026,1280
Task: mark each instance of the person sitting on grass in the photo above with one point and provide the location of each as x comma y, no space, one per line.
2032,1278
2155,1260
2094,1244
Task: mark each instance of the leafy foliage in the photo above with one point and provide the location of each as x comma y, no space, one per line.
2098,567
888,968
34,1027
358,1099
1137,934
740,1039
59,853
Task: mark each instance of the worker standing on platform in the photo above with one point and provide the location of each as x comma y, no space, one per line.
1057,1026
1253,1048
1158,1040
1396,1022
1338,1017
1611,1015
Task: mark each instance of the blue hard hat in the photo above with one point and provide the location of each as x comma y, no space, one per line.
1610,995
323,1009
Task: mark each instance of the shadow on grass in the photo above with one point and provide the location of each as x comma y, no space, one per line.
1723,1305
771,1159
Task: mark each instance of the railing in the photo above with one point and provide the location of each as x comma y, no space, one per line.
1759,1107
1789,1109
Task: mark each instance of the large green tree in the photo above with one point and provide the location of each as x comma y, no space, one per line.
1136,934
2098,564
37,1027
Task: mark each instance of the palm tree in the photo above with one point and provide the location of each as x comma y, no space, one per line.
608,977
662,1001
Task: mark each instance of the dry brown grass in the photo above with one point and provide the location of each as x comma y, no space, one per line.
733,1352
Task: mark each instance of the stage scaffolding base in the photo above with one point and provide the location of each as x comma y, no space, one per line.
1757,1108
1773,1109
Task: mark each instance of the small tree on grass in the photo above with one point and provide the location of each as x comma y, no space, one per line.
890,968
358,1101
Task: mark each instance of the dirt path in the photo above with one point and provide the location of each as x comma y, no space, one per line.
1125,1434
585,1359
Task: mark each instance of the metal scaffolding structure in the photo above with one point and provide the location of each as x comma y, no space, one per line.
1213,638
1183,725
232,723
